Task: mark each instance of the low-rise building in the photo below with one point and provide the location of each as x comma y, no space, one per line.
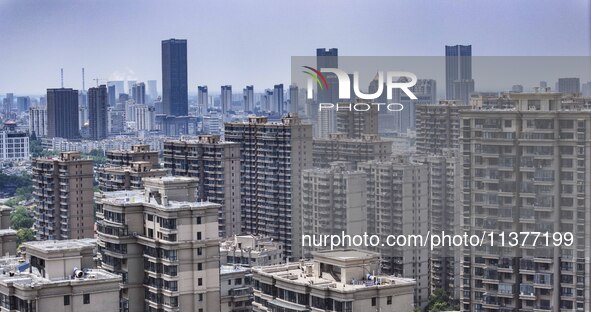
57,276
338,280
250,251
235,288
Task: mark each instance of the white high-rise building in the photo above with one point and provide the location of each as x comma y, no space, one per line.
38,121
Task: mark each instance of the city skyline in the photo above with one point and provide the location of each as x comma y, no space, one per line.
214,46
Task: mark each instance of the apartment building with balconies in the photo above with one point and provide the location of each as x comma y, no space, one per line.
339,147
438,126
163,243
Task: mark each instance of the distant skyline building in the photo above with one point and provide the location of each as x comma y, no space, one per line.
226,99
586,89
569,85
152,90
97,112
517,88
62,113
38,121
458,72
138,93
14,144
175,94
202,99
118,87
277,102
294,98
112,93
8,103
248,98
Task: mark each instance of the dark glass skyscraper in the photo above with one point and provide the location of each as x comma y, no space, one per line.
174,77
97,112
62,113
328,58
458,72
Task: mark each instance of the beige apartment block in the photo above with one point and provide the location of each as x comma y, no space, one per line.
163,243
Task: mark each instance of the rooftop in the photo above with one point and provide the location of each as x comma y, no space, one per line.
137,197
227,269
32,280
60,245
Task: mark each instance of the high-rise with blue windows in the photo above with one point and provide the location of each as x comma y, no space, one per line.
175,100
458,72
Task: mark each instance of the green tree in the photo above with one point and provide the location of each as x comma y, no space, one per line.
440,301
21,218
24,235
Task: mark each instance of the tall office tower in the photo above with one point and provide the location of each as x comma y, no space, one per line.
62,113
126,169
294,98
226,99
62,191
97,112
333,201
458,72
355,124
216,165
398,204
272,158
8,103
248,98
138,93
586,89
38,121
23,103
338,147
14,144
175,94
335,280
527,170
438,126
277,102
112,93
163,243
328,58
517,88
445,207
202,99
569,85
426,92
152,90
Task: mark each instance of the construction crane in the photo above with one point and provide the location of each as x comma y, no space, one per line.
97,80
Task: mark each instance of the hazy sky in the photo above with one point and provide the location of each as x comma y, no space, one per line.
251,42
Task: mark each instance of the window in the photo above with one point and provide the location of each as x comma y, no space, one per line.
67,300
374,301
199,251
238,281
198,220
198,235
199,266
389,300
86,299
150,217
199,281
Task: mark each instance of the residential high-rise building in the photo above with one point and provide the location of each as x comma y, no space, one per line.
62,113
250,251
202,99
586,89
163,243
325,123
398,204
57,275
338,147
438,126
175,94
445,215
248,98
338,280
138,93
569,85
527,170
426,92
272,158
62,192
97,112
112,93
333,201
216,165
226,99
277,101
14,144
266,100
517,88
126,169
235,288
38,121
458,73
23,103
355,124
152,90
8,104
